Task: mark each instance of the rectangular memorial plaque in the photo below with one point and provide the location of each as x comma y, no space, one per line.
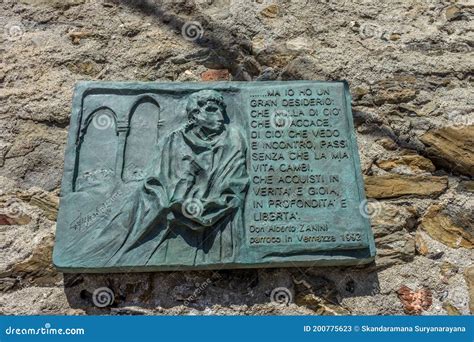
174,176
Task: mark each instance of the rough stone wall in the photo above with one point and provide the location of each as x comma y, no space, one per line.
409,65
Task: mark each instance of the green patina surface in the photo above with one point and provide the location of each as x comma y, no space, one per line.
176,176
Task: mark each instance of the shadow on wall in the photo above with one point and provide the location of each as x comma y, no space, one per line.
321,290
222,47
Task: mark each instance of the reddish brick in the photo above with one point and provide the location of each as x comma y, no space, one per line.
215,75
415,302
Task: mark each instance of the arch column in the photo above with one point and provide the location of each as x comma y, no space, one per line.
123,128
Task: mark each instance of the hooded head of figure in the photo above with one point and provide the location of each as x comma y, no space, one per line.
206,109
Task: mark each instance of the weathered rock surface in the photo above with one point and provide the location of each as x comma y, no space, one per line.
443,228
12,211
420,245
390,186
469,275
408,164
452,148
391,225
37,269
451,310
49,203
410,72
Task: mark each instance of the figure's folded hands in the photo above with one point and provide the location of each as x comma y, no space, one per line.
198,214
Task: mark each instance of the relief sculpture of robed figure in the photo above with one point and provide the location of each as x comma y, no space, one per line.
188,211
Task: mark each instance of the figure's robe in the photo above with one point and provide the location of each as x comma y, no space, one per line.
187,213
